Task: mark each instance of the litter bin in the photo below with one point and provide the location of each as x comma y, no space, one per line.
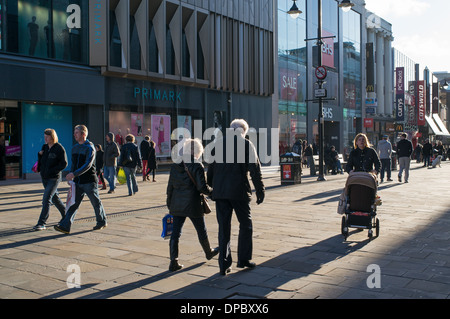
394,161
291,169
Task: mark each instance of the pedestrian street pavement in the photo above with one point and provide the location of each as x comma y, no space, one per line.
297,245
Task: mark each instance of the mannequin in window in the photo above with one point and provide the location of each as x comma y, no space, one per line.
33,28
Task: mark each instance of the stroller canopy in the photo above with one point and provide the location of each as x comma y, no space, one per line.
361,178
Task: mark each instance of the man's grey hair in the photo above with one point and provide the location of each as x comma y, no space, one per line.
240,124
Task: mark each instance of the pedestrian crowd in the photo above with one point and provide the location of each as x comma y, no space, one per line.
226,183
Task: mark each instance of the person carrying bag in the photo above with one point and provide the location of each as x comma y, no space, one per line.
186,186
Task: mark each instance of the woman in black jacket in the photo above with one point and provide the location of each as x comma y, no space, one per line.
52,160
151,161
363,157
183,200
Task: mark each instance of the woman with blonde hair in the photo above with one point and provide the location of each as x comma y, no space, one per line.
52,160
186,182
363,157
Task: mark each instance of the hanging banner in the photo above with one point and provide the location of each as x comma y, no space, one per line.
400,103
421,106
328,49
400,93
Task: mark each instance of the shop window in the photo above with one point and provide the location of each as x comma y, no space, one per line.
41,29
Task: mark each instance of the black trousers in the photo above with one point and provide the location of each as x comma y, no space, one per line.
224,212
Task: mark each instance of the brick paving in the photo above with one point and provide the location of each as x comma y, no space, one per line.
298,248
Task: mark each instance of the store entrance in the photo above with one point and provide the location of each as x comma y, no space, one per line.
10,140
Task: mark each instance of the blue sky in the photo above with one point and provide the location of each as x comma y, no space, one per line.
420,29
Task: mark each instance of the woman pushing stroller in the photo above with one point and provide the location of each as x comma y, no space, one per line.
363,158
359,199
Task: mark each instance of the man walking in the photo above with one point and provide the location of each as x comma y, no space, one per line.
404,151
83,174
385,153
427,150
232,191
110,159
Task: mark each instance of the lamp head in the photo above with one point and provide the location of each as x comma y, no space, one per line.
346,5
294,12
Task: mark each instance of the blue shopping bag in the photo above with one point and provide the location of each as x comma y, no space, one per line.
167,223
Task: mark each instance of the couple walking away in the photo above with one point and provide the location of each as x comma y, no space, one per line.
230,190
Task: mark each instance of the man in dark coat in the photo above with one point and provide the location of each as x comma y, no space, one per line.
404,151
232,191
426,153
144,147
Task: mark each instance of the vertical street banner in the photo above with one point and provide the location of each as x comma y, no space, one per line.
400,93
370,69
421,103
328,49
435,102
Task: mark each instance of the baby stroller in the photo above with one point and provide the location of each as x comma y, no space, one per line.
360,204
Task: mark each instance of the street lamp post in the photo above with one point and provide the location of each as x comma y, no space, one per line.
294,12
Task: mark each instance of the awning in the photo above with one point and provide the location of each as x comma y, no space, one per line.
433,125
438,128
440,124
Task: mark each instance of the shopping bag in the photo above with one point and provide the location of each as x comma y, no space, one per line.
70,195
121,178
167,223
35,167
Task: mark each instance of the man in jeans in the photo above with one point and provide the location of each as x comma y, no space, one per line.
83,174
385,153
110,159
404,151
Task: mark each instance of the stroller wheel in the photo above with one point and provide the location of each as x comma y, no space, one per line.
344,228
377,227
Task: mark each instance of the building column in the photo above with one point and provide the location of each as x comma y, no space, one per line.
379,71
388,76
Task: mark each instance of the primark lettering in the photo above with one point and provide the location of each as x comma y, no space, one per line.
157,95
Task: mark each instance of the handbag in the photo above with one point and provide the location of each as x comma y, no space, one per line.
206,208
167,223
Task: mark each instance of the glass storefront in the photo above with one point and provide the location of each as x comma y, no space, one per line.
10,140
292,88
55,29
352,77
144,108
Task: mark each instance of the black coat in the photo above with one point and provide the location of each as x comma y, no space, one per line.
229,180
53,161
145,149
427,149
130,148
183,198
363,160
404,148
99,161
151,160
